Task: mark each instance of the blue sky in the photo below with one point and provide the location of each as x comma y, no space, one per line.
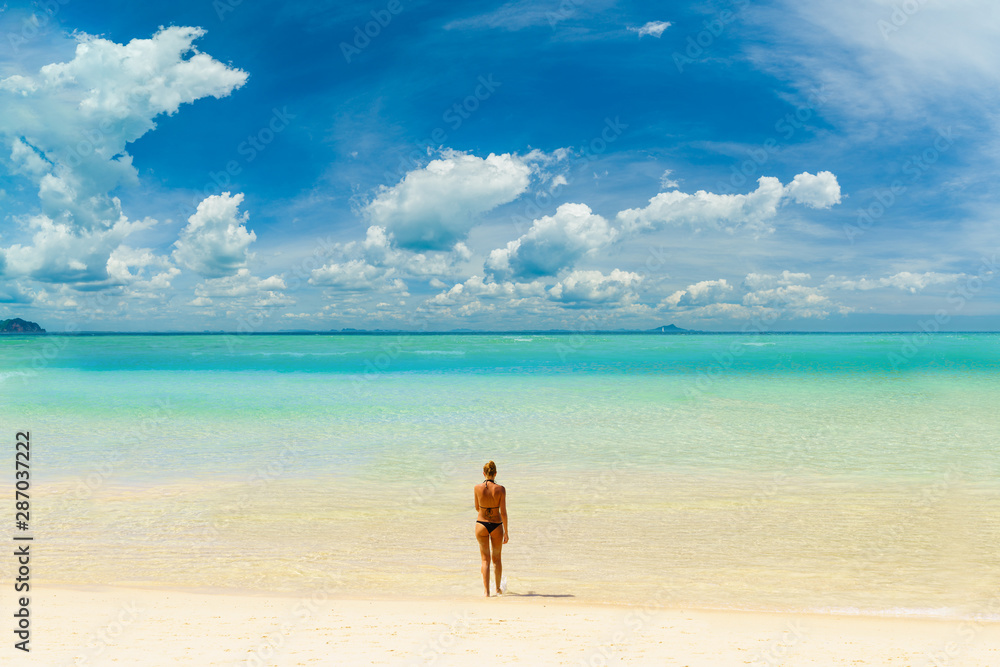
719,165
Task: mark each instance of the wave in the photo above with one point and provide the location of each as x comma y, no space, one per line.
457,352
903,612
294,354
4,375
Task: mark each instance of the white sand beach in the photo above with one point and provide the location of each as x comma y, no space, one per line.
117,625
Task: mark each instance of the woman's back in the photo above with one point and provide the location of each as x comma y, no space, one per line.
489,494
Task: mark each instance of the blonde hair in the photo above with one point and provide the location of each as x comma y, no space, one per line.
490,469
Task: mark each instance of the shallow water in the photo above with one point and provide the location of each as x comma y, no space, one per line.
779,472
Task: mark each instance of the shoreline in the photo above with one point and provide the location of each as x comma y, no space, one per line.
987,618
98,624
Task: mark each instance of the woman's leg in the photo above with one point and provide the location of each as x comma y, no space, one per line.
483,537
497,538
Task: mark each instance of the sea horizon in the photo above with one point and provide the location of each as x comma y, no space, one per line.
463,332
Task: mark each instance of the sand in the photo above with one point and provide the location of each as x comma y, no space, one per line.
129,626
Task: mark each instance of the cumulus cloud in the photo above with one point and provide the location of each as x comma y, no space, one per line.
14,292
794,300
582,288
772,295
68,127
476,287
357,275
128,266
699,294
654,28
376,263
215,242
242,288
904,280
61,253
816,191
477,295
731,212
755,281
552,243
434,207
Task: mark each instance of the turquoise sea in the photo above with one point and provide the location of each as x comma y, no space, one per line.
850,473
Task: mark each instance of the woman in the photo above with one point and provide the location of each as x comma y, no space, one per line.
491,525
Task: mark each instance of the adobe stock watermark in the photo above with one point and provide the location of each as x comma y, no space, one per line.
305,609
698,44
107,635
35,23
957,299
589,152
223,7
249,150
966,635
777,651
901,14
612,648
565,10
886,197
785,128
453,117
363,35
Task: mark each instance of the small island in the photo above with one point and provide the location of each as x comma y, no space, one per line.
17,325
670,328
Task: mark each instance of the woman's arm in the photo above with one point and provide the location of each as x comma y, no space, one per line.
503,515
475,499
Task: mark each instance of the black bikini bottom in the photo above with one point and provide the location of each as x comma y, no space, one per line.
490,526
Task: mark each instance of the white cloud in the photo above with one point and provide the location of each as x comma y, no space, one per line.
775,296
216,242
59,253
358,276
904,280
667,182
654,28
552,243
731,212
242,289
794,300
14,292
816,191
593,287
376,263
557,182
434,207
513,16
127,266
756,281
476,287
784,296
476,295
68,127
931,59
699,294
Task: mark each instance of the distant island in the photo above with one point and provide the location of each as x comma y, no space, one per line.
17,325
664,329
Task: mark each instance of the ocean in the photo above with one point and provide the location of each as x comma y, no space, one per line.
830,473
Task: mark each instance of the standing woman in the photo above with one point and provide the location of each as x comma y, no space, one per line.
491,525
